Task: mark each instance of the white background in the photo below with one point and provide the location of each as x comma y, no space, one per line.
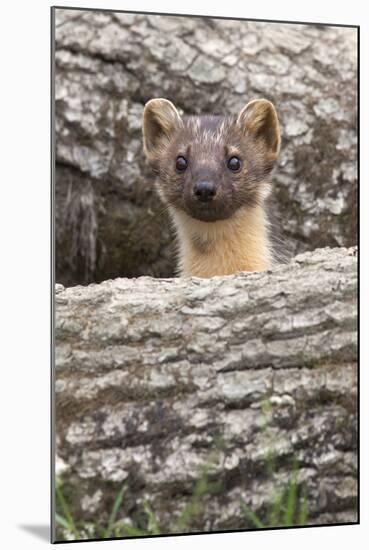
25,270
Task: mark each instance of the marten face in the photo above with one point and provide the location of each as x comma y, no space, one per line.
211,166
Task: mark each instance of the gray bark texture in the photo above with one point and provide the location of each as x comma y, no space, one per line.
162,383
109,221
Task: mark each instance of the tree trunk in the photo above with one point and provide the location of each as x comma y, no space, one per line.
170,386
109,221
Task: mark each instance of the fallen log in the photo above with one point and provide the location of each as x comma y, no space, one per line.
233,384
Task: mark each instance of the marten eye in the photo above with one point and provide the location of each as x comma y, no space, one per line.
234,164
181,164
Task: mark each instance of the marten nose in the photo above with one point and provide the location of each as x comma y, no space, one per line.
204,190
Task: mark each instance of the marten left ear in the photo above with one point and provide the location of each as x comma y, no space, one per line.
259,119
160,119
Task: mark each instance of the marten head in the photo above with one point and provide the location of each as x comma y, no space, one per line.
210,166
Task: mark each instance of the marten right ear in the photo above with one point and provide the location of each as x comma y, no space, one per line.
259,119
160,119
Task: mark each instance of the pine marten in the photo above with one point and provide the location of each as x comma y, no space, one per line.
213,174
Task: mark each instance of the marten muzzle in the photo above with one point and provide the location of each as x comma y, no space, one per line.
204,190
208,200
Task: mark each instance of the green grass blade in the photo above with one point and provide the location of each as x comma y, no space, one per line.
270,462
194,507
201,487
62,521
250,514
66,511
130,530
114,511
276,510
152,527
191,510
290,510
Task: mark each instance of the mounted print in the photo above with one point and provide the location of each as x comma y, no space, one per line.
205,265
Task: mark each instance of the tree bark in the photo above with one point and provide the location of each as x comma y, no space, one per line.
239,379
108,217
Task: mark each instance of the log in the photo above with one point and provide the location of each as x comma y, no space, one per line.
109,221
234,382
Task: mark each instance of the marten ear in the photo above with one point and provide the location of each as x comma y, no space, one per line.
259,119
160,119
